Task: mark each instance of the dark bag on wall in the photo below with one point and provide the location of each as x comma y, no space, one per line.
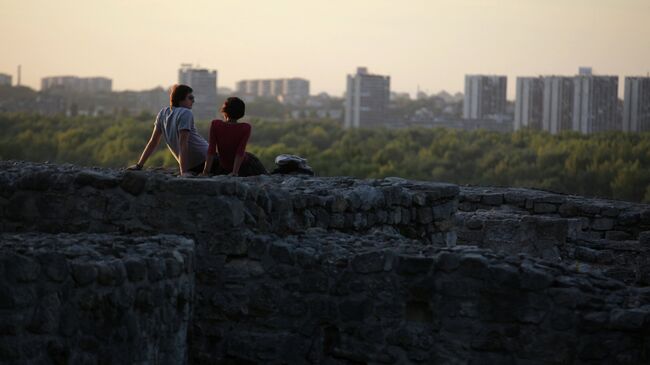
292,165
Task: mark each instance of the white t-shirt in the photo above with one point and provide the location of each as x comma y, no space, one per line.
172,120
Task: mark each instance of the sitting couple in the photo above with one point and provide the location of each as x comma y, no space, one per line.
194,155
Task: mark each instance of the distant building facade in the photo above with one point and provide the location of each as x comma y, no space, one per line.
485,96
204,84
74,84
288,90
636,107
557,110
5,80
595,104
585,71
529,103
366,100
584,103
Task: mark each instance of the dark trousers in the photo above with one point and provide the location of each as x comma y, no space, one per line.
251,166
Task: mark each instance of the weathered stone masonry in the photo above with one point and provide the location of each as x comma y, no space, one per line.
586,233
90,298
291,270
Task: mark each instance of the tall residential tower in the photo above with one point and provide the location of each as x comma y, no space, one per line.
636,108
595,104
204,85
557,112
485,96
528,103
366,99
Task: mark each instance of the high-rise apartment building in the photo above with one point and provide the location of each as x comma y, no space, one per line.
529,103
86,85
636,107
291,90
595,104
366,99
204,85
557,110
485,96
585,71
295,90
5,80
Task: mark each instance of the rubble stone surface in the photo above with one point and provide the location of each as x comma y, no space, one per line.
288,269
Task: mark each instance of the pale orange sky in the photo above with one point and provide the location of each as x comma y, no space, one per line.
432,43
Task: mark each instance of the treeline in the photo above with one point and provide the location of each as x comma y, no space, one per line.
614,164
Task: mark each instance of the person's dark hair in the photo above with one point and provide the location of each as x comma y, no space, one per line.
234,108
178,93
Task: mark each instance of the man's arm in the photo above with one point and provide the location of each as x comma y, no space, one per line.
148,150
184,137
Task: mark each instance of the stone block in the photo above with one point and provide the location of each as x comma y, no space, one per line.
645,216
109,274
406,216
55,266
7,300
84,273
611,212
281,253
644,238
133,182
568,209
602,224
21,268
136,270
532,278
354,310
96,179
419,199
412,265
155,269
424,215
492,199
628,319
473,266
503,277
617,236
445,210
173,267
588,209
447,261
544,208
628,218
515,198
369,262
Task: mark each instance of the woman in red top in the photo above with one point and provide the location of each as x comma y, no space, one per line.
229,139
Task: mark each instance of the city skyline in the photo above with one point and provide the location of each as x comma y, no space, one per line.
430,44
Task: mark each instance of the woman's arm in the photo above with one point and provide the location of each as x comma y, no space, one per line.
208,164
237,164
241,152
212,149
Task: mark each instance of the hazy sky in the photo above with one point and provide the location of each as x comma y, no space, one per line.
432,43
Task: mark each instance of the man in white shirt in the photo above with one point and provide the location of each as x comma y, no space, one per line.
176,124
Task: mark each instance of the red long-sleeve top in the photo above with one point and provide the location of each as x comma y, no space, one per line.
230,139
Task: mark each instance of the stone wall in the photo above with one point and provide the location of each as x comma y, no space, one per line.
338,270
336,298
599,218
94,299
588,234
